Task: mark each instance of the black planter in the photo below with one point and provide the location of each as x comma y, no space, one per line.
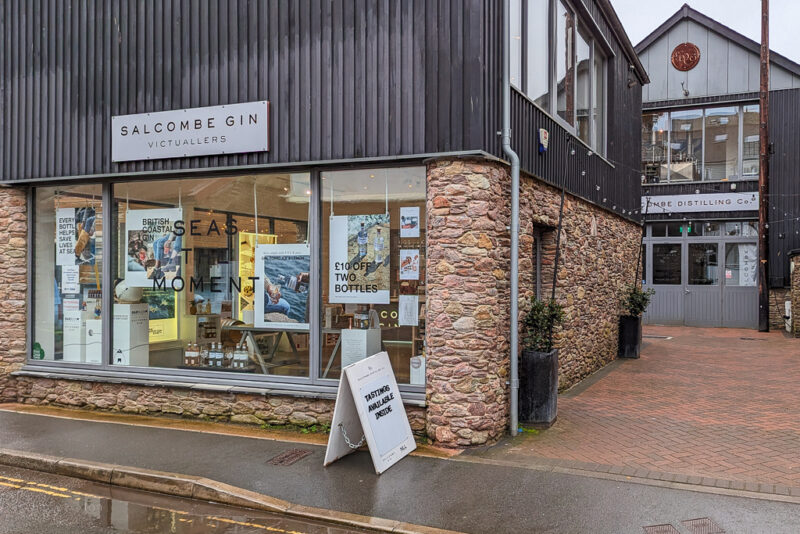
630,336
538,388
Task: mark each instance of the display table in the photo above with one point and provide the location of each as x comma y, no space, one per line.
265,360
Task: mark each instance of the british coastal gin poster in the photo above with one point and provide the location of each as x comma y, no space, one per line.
153,248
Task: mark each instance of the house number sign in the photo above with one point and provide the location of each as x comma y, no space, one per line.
685,56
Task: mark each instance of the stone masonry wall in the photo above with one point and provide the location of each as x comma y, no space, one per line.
156,400
468,290
777,308
596,264
13,287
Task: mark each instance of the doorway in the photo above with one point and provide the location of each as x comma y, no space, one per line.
703,274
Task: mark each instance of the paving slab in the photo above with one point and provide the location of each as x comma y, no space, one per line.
705,403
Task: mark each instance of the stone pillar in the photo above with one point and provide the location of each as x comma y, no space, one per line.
467,301
13,287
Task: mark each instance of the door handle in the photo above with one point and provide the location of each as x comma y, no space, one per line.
686,291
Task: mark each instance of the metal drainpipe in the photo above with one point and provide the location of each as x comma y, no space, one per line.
514,159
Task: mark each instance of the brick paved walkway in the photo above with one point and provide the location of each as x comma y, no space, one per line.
716,403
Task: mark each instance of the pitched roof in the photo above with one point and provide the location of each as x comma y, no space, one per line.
686,12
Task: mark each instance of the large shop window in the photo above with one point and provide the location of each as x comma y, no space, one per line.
230,276
566,76
213,274
701,144
373,270
68,248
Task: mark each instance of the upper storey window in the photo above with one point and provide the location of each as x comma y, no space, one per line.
558,64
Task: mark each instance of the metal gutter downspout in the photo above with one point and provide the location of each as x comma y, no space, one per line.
514,159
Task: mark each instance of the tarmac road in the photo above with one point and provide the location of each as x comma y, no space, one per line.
466,496
34,502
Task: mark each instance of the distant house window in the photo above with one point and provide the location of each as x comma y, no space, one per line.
565,75
700,144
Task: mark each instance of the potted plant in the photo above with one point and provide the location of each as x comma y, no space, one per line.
634,303
538,393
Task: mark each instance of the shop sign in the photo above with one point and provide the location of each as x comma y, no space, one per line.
180,133
700,203
368,406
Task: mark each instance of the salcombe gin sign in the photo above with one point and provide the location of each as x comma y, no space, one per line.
698,203
215,130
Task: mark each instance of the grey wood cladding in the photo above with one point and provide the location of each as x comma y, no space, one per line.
345,80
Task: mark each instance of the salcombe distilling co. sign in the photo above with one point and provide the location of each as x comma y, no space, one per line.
215,130
699,202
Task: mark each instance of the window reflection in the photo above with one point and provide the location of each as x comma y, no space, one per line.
654,147
686,142
721,143
703,264
667,264
565,63
700,144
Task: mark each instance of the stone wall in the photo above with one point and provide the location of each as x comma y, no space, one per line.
468,290
597,261
197,404
13,287
777,307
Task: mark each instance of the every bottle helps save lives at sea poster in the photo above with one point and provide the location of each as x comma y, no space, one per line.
359,259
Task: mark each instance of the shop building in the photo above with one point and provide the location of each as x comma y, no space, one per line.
209,208
700,167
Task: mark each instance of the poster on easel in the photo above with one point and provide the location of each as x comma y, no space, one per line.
368,406
153,248
359,259
281,286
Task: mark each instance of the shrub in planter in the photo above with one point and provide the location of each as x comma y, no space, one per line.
634,303
538,394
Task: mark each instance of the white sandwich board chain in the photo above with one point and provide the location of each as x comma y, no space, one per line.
368,404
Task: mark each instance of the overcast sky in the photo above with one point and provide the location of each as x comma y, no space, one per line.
641,17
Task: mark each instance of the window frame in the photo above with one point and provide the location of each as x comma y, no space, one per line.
740,107
311,384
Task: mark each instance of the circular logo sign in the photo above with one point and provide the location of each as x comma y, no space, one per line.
685,57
